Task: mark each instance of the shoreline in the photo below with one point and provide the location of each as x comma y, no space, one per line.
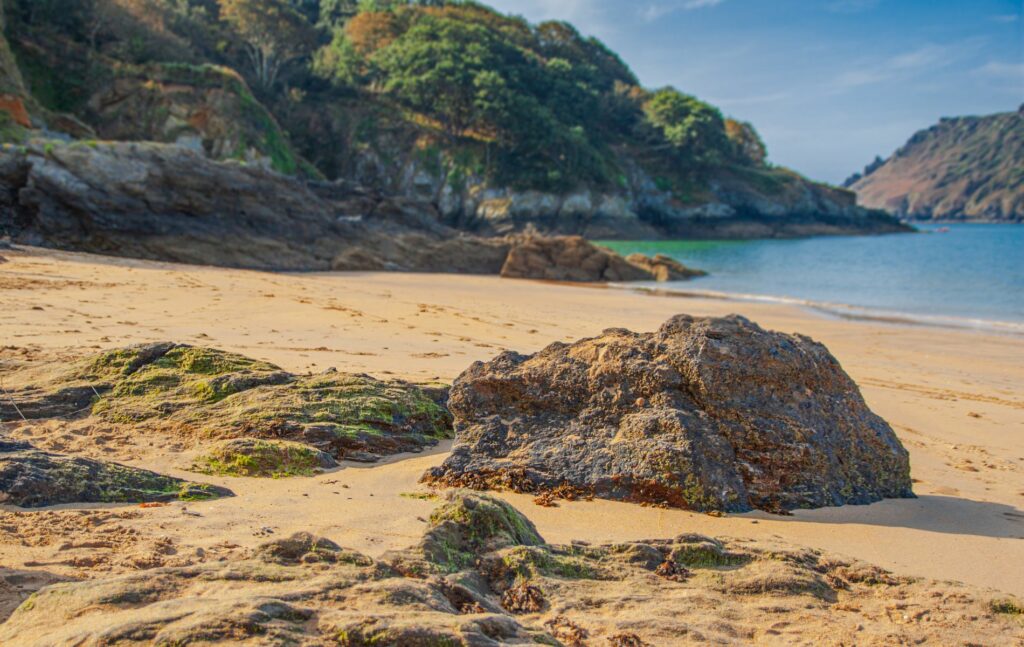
844,311
953,396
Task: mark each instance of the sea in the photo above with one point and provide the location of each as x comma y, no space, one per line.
957,275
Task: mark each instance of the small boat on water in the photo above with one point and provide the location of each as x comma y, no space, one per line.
942,230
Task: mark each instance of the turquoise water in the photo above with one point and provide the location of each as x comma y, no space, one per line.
971,275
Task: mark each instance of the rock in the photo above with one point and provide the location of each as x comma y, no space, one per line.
306,590
31,478
567,258
168,203
664,268
268,458
209,394
704,414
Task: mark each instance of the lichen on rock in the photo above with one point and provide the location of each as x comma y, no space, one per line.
266,458
704,414
510,588
204,394
31,478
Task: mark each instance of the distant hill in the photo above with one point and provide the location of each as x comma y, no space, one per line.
965,168
501,124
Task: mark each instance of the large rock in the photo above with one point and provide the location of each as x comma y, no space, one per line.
31,478
568,258
482,577
706,414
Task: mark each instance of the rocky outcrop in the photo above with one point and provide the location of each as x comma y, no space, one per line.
31,478
664,268
263,458
169,203
705,414
962,169
207,108
736,203
202,394
482,576
568,258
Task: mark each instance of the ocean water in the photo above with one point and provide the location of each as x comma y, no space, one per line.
969,276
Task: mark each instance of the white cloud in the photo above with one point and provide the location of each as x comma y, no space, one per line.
1006,18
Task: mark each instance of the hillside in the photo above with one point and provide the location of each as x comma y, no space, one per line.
965,168
501,125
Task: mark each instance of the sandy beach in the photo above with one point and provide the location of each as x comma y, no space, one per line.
954,397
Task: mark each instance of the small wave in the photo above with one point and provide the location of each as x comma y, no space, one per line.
841,310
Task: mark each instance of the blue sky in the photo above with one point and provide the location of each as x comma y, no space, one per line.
828,83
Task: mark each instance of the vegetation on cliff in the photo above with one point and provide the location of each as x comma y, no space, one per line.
965,168
470,92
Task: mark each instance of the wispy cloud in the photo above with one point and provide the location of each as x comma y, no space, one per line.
903,66
851,6
656,10
1003,70
700,4
1006,18
759,99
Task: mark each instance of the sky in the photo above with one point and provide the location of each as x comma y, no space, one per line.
829,84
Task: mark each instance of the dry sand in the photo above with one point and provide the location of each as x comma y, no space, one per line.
955,398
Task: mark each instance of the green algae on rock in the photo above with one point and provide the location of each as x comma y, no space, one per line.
31,478
506,586
209,394
273,458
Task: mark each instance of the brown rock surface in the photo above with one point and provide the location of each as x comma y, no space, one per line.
706,414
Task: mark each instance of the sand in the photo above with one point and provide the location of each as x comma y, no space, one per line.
954,397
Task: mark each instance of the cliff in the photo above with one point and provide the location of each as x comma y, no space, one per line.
962,169
499,125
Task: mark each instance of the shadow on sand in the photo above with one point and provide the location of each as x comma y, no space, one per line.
932,513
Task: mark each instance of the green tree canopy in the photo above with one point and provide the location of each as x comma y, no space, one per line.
274,32
693,128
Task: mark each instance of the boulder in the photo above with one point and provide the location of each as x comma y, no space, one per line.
664,268
704,414
567,258
31,478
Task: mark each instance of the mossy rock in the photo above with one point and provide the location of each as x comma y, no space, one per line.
464,527
263,458
204,393
31,478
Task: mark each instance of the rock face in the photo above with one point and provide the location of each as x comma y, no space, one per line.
203,394
705,414
965,168
31,478
770,204
481,576
169,203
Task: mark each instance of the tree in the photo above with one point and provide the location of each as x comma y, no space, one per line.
747,143
434,65
274,33
694,129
